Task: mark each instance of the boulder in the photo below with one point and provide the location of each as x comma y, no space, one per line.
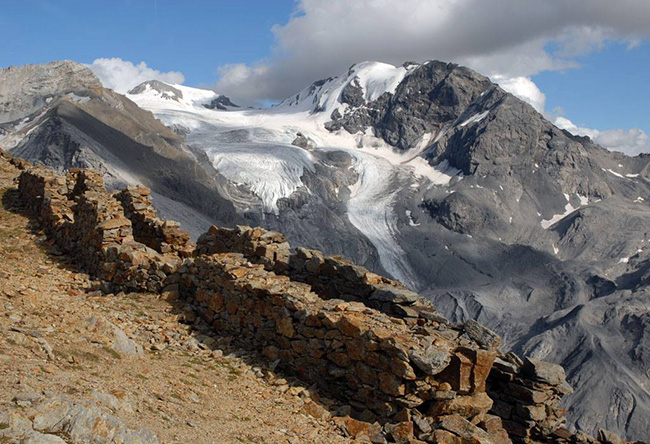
431,360
485,337
545,372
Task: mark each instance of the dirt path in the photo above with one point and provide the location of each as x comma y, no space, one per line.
61,337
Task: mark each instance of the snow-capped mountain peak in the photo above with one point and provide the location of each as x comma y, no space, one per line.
364,82
157,94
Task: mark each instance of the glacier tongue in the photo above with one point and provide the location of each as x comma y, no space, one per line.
270,171
370,210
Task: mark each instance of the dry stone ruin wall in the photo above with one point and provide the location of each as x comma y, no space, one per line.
386,370
89,223
163,236
377,347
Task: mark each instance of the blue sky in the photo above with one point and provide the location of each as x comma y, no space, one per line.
610,89
586,60
194,37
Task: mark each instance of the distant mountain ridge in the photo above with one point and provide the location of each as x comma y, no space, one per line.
429,172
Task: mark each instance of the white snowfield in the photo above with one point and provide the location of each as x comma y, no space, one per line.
568,210
476,119
252,148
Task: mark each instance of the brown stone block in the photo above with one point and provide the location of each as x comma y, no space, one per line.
359,429
339,358
402,369
356,349
366,374
391,384
300,346
483,361
116,222
527,394
317,411
401,432
466,406
468,432
351,325
284,326
444,437
458,373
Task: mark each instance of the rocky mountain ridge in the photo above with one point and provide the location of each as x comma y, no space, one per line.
77,123
432,174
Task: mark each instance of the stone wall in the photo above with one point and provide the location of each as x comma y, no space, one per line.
88,223
364,339
529,405
258,245
161,235
528,395
386,370
329,276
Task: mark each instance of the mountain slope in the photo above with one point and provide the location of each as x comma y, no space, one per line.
81,124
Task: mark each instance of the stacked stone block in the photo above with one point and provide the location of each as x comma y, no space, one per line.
163,236
89,224
528,395
258,245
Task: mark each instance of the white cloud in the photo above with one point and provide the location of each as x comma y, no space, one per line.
239,75
121,75
510,38
631,142
525,89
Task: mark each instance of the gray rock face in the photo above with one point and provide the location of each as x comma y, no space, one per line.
301,141
484,336
79,421
70,120
26,89
433,360
433,95
123,344
352,94
545,372
222,103
166,90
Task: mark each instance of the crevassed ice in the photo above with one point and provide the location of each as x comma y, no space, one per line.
271,172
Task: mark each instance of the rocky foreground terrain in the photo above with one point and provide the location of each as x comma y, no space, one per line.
77,365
